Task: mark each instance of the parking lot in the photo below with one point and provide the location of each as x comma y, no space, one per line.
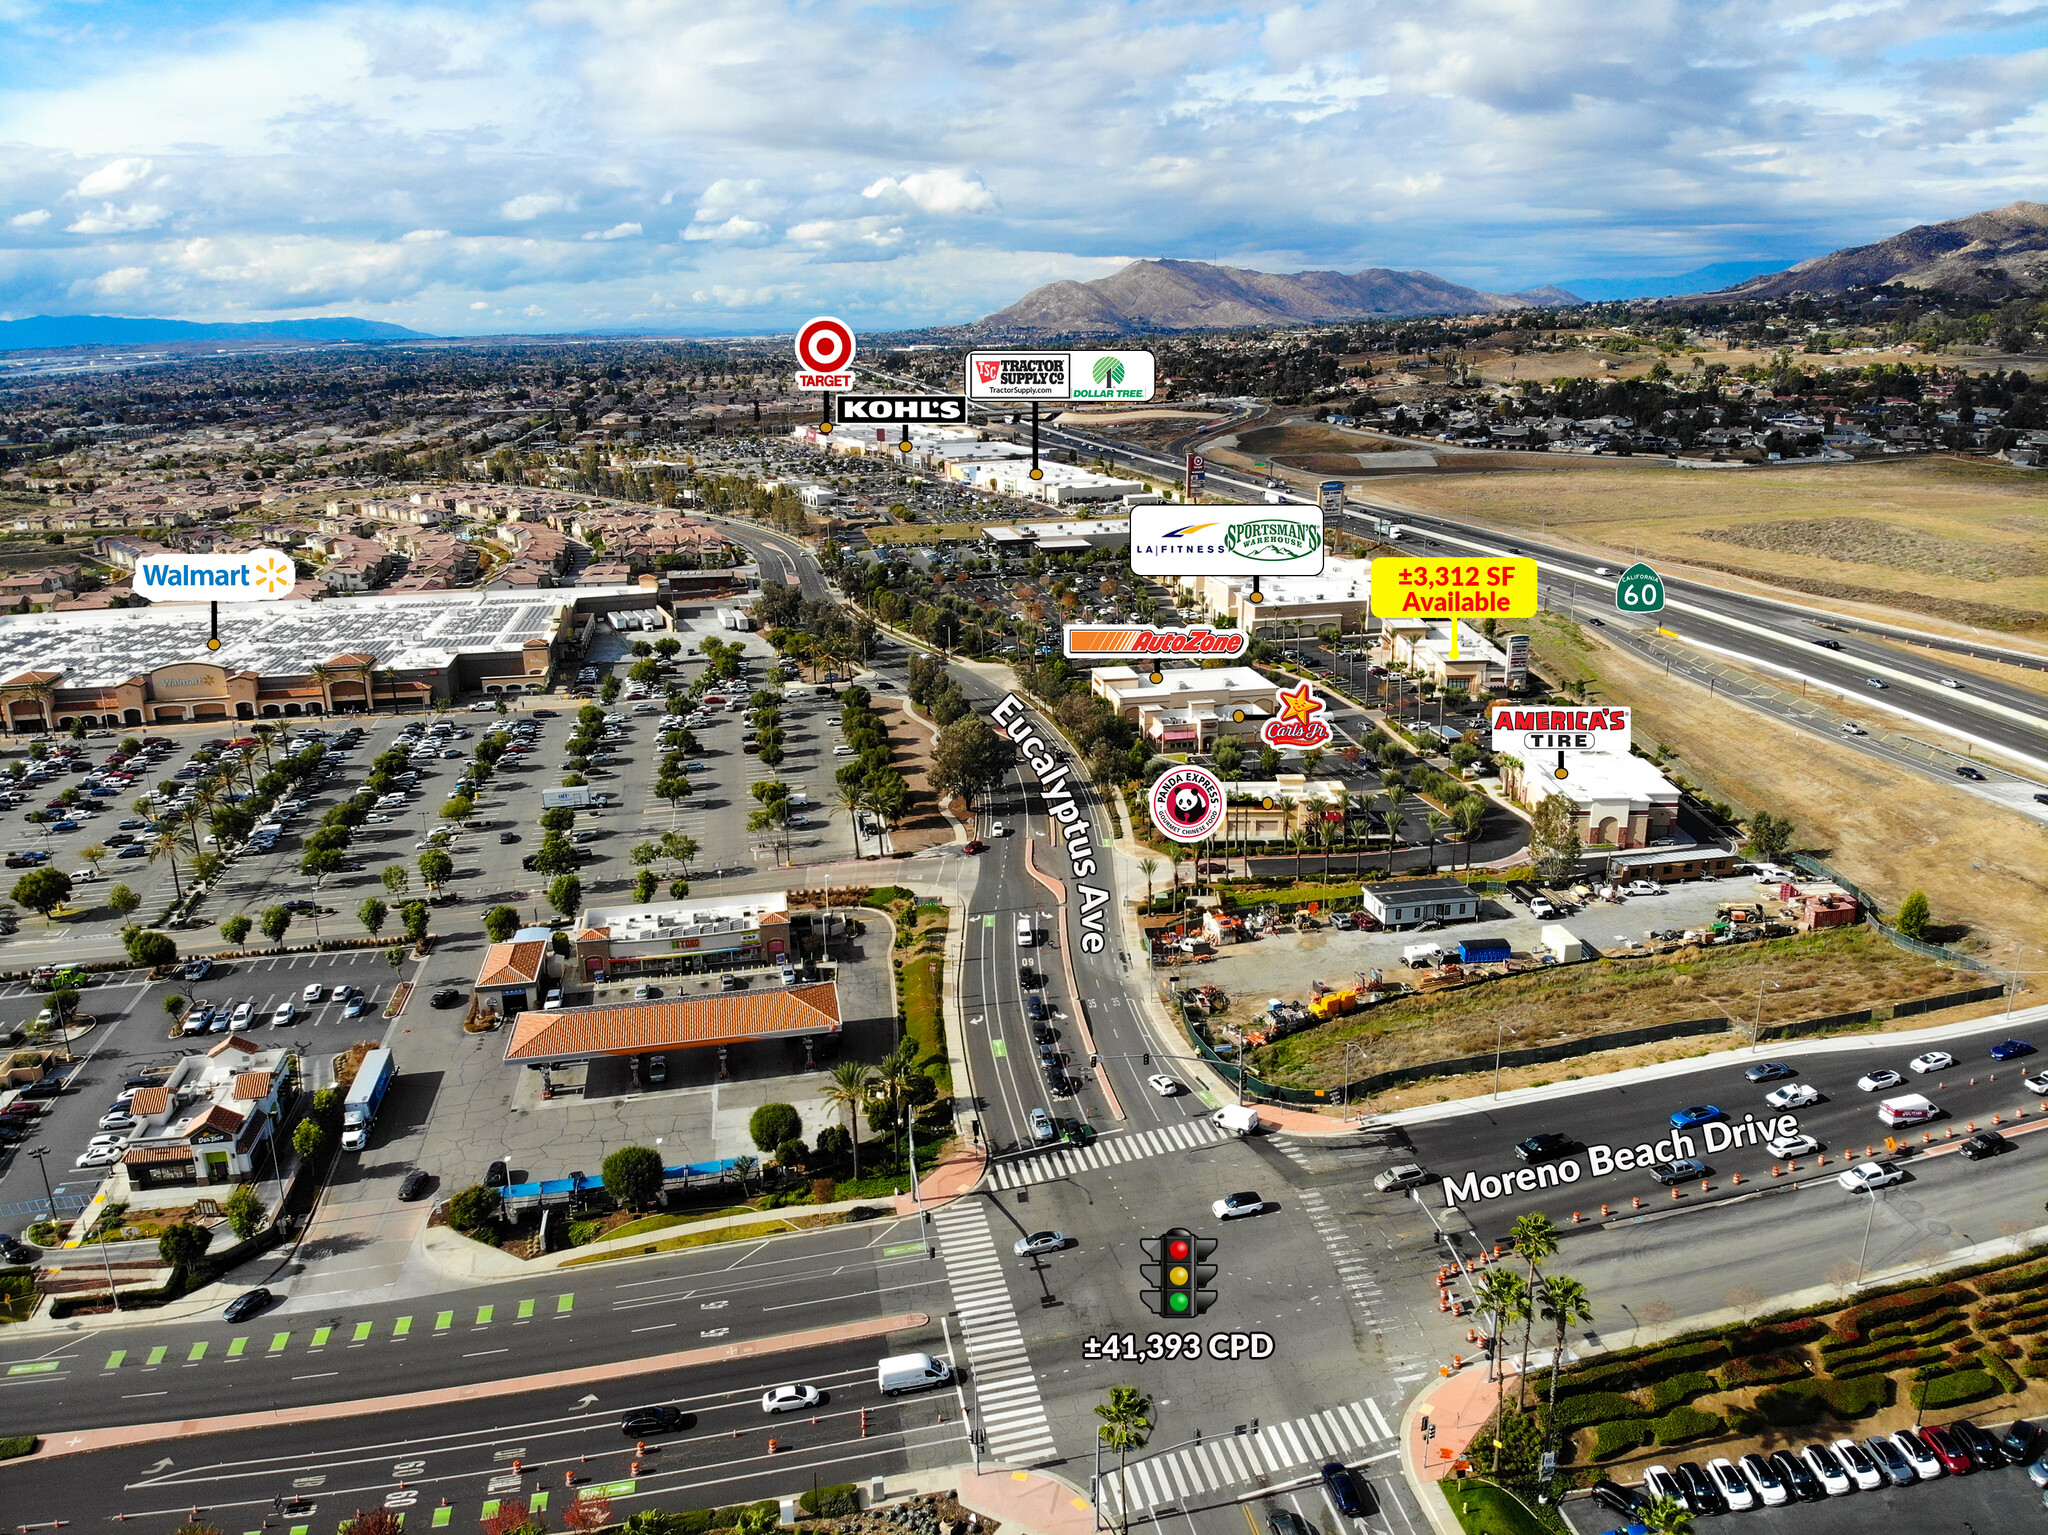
1986,1503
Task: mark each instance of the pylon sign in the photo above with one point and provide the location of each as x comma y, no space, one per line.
824,354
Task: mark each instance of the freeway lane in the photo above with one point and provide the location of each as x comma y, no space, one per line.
558,1319
464,1452
1637,1114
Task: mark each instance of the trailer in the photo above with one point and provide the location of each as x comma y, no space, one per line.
365,1097
1485,951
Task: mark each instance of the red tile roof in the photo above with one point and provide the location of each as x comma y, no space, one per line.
151,1100
236,1042
683,1023
143,1155
217,1117
512,964
252,1086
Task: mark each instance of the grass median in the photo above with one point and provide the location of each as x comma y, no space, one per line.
752,1231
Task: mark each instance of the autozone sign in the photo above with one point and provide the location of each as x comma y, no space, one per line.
1519,729
920,409
1120,642
1059,375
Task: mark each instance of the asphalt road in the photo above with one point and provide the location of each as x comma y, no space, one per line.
463,1453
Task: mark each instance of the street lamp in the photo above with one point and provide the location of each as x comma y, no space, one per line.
48,1193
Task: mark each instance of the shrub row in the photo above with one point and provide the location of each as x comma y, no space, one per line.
1645,1369
2024,1278
1683,1424
1768,1336
2022,1326
1845,1400
1612,1439
19,1445
1679,1389
1760,1370
1936,1324
1949,1390
1999,1370
1596,1407
1897,1359
1948,1332
834,1502
1855,1324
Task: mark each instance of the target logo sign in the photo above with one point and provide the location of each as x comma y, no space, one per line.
1187,804
824,354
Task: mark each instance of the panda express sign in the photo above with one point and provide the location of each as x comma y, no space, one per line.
1715,1136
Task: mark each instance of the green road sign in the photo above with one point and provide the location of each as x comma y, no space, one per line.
1640,590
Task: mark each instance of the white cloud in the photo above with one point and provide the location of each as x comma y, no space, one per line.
35,218
943,192
121,281
531,205
109,220
422,236
734,228
479,304
616,232
115,177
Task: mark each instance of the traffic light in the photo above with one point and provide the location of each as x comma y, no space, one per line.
1177,1275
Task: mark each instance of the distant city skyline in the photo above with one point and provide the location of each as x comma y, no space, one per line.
717,165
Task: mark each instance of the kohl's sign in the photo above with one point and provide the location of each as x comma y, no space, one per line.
1599,1161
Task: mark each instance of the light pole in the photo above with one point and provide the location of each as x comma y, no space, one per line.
48,1193
1864,1251
1499,1026
1757,1023
1360,1046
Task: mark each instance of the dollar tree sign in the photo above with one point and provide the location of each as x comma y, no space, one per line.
1640,590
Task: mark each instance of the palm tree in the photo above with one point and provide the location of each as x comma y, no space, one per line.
1667,1516
320,674
166,846
1389,818
1471,817
847,1091
1124,1428
1503,1295
1309,816
1565,1303
1341,803
1534,1237
1437,823
850,800
1148,866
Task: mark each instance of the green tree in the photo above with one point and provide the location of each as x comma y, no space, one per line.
500,923
42,891
183,1245
773,1123
244,1211
436,868
1564,1303
1915,917
644,885
413,918
396,879
561,818
1667,1516
1554,835
458,808
372,914
556,855
565,894
1534,1240
968,759
175,1006
847,1091
309,1140
149,948
277,922
474,1208
235,929
1770,837
123,900
632,1176
1124,1428
93,855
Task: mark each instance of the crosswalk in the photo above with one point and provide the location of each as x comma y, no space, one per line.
1271,1453
1012,1412
1361,1285
1106,1152
1290,1149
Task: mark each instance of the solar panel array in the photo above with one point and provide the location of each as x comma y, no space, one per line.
273,639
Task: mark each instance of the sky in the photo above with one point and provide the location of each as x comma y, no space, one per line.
741,165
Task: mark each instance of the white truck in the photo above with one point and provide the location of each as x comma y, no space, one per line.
1237,1118
911,1372
1908,1109
366,1097
574,799
1422,956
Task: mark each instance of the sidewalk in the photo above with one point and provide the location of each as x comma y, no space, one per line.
1024,1502
1456,1407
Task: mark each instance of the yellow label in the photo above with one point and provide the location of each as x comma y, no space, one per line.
1419,587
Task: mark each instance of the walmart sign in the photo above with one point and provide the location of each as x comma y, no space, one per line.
255,575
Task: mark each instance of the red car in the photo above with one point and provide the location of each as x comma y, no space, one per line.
1955,1460
976,846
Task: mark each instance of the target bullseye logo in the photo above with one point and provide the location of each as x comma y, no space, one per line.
824,354
1187,804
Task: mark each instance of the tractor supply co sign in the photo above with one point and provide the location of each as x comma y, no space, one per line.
1519,730
824,354
1187,804
908,409
1298,725
1599,1161
1077,376
1226,540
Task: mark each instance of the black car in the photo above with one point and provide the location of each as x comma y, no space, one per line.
496,1176
1701,1495
413,1185
1981,1445
46,1087
508,837
1618,1499
448,996
529,862
1285,1521
1985,1143
1547,1147
1829,644
1969,772
14,1252
2021,1442
1798,1477
246,1305
1344,1492
642,1421
1770,1071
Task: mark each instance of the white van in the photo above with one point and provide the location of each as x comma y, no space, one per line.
911,1372
1911,1109
1027,933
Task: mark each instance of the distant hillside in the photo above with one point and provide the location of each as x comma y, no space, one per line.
58,330
1988,254
1705,279
1193,295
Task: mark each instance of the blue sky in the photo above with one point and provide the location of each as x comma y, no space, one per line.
745,163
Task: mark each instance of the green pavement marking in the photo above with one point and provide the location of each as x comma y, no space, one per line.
156,1355
989,921
278,1341
401,1327
610,1490
538,1503
525,1309
562,1304
38,1367
902,1248
114,1359
301,1529
442,1516
444,1319
198,1353
1209,1099
483,1315
236,1347
490,1509
996,1049
321,1335
363,1330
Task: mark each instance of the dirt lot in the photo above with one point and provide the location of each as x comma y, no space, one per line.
1816,974
911,738
1948,539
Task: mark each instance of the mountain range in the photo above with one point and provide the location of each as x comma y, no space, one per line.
1194,295
1986,254
62,330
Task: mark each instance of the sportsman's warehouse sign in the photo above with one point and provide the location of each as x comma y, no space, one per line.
1600,1161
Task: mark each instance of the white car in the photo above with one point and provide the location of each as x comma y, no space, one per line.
2037,1083
241,1014
1855,1459
1729,1482
998,829
1542,908
379,820
285,1014
1796,1095
790,1398
1926,1465
100,1156
842,751
1933,1060
109,1139
1164,1086
1643,887
313,993
1232,1206
1827,1470
1878,1081
1865,1176
1792,1146
1039,1242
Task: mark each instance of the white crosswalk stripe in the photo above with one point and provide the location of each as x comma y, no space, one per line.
1012,1411
1288,1149
1107,1152
1336,1434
